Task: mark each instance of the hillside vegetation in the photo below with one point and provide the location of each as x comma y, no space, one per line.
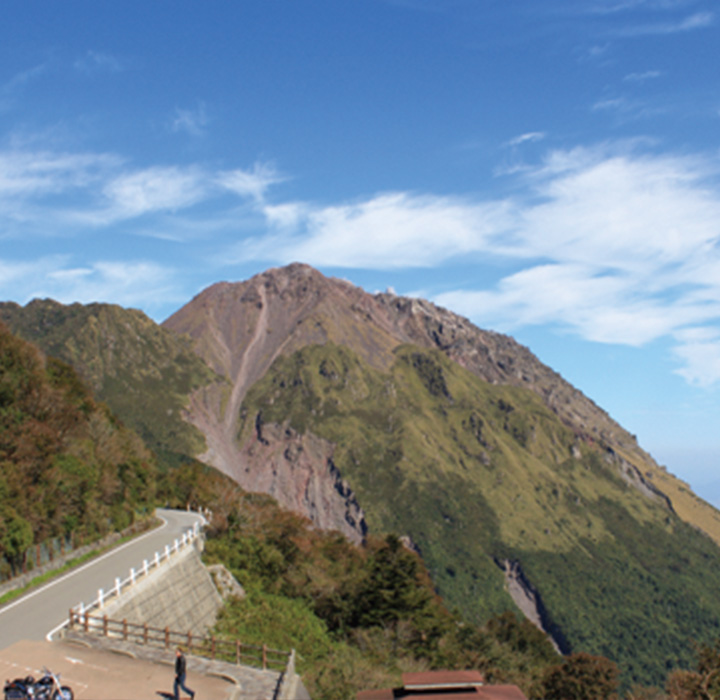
142,371
357,616
476,474
66,464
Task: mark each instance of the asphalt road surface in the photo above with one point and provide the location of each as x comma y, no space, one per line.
39,612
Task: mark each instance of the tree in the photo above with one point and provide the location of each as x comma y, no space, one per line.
702,684
581,677
392,590
16,536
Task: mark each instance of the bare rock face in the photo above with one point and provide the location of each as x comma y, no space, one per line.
528,600
298,471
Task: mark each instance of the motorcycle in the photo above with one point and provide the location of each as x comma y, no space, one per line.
47,687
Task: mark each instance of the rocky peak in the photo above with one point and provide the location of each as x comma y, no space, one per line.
240,328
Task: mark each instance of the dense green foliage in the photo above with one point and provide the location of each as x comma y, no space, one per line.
648,601
357,617
143,371
477,474
66,465
581,677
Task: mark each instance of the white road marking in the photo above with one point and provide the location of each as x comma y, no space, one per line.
74,572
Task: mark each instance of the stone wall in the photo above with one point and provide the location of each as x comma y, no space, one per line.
180,594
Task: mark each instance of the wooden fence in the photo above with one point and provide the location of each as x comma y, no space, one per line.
216,648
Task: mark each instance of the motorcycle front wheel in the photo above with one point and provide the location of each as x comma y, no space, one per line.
65,693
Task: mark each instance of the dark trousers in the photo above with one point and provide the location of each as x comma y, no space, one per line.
180,683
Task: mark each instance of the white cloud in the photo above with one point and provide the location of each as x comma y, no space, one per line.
190,121
133,283
531,136
33,174
620,211
98,62
699,20
701,361
286,216
154,189
250,183
99,190
23,78
393,230
616,246
642,77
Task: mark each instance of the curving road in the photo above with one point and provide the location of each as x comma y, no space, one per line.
37,613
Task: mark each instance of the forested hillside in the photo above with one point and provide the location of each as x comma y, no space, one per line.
142,371
66,464
482,477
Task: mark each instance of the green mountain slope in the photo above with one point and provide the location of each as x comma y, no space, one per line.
479,474
145,373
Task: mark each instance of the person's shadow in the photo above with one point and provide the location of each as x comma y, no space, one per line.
164,695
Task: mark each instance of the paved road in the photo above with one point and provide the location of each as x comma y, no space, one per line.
34,615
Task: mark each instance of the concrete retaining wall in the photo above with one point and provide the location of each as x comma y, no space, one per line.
180,594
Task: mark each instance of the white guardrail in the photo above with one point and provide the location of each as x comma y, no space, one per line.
134,577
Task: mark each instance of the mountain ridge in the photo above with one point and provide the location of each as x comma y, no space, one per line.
496,358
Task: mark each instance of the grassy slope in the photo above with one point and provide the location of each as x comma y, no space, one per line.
474,472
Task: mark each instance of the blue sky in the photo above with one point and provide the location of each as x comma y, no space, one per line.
548,169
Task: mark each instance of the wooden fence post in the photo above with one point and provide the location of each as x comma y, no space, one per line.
167,637
264,657
125,634
145,632
105,625
189,641
87,623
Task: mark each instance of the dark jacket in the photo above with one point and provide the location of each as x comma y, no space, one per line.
180,666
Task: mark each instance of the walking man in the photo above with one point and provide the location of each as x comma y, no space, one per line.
180,672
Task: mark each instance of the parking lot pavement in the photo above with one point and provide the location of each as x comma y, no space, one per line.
102,675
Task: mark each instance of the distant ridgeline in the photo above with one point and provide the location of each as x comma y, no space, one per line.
380,414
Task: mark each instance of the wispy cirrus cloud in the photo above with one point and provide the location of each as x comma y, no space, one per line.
252,183
101,189
154,189
93,62
34,174
642,77
11,88
699,20
129,283
529,137
190,121
616,6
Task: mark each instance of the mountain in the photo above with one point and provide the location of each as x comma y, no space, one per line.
142,371
385,414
